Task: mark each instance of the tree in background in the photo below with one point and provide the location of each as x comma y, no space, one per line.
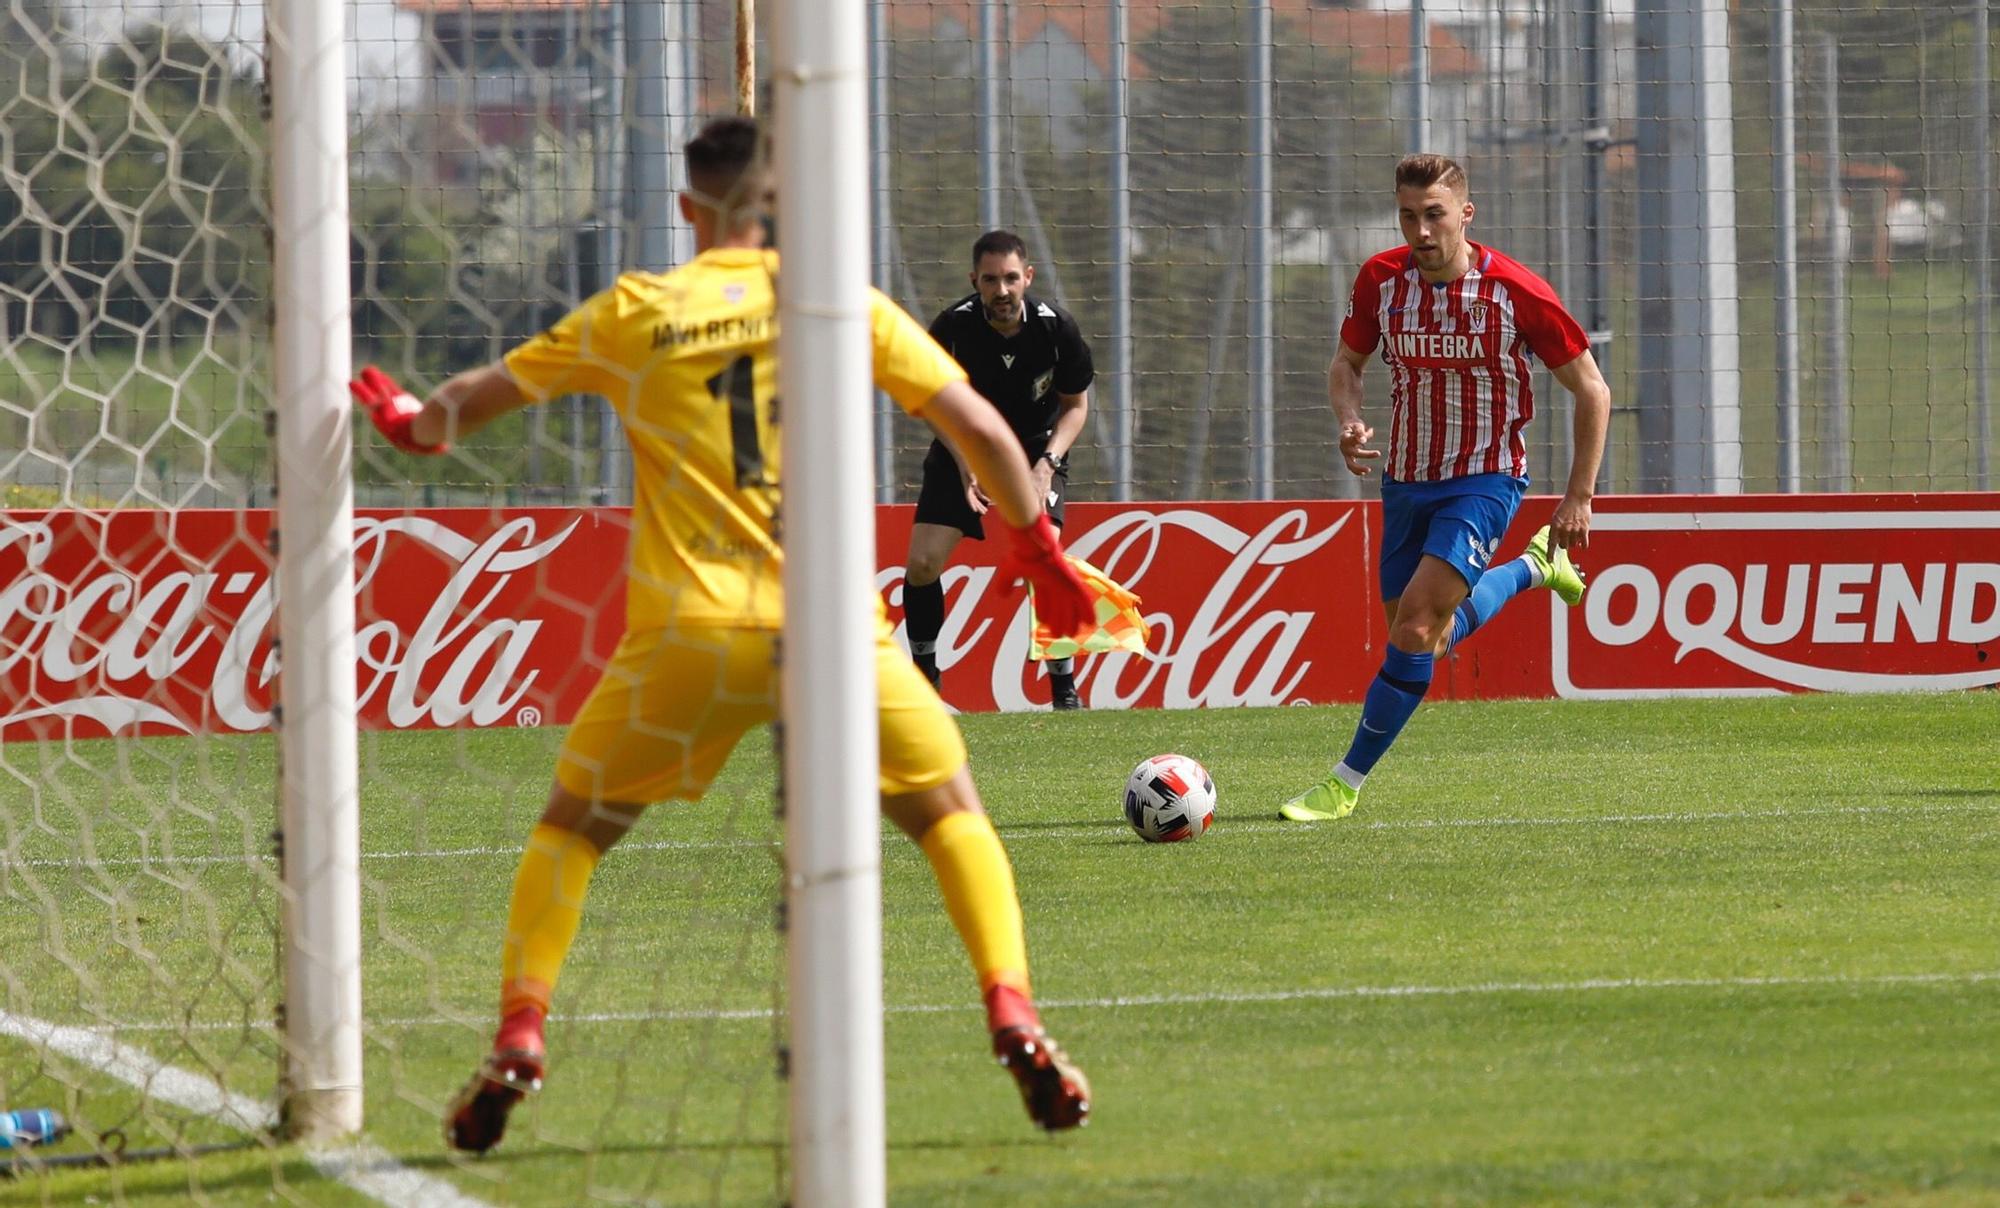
1334,144
131,207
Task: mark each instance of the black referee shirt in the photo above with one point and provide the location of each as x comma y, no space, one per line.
1023,373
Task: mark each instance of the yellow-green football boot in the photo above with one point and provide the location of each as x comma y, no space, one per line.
1559,575
1324,802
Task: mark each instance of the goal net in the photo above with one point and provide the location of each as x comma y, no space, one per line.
166,986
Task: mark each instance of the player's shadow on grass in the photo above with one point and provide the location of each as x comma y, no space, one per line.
1114,829
549,1151
939,1144
1072,824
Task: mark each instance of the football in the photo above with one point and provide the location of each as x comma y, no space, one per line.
1169,798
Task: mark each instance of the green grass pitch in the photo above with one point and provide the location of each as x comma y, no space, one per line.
1670,952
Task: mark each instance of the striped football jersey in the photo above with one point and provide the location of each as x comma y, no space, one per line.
1460,358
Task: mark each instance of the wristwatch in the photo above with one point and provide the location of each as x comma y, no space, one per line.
1059,462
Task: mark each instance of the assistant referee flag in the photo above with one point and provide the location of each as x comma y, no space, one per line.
1120,625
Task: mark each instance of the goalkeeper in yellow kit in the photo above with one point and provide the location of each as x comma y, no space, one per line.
687,358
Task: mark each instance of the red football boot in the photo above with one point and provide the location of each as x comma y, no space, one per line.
477,1116
1054,1090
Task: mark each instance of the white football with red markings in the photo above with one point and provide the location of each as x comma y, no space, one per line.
1169,798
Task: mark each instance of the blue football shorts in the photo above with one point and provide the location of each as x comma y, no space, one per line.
1459,520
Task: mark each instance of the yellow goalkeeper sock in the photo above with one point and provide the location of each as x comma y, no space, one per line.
549,889
978,887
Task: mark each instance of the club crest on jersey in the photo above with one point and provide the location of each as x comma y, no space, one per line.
733,293
1043,383
1475,316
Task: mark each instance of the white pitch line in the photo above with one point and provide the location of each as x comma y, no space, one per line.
1587,985
154,1078
370,1170
1315,994
361,1165
1811,811
1018,835
1198,998
263,859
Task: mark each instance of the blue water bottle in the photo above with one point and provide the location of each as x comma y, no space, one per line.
18,1130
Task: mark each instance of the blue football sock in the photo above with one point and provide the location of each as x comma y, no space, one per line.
1489,595
1398,689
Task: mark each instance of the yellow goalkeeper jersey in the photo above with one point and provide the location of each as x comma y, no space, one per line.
688,359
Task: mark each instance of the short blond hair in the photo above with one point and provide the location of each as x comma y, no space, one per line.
1423,170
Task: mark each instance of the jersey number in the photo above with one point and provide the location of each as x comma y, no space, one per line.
736,385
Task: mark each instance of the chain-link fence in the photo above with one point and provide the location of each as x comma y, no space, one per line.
1554,108
508,157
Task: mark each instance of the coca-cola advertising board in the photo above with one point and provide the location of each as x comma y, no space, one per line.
160,622
1248,603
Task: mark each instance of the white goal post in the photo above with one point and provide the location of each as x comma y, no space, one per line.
833,841
319,808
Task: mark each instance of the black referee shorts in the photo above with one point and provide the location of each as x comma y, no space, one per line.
942,500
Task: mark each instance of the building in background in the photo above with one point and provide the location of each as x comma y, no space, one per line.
505,73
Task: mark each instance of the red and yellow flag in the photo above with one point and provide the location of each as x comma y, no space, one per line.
1120,625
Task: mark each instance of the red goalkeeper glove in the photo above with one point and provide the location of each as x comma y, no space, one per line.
1062,600
391,409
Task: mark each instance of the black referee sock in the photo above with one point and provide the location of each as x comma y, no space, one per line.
923,613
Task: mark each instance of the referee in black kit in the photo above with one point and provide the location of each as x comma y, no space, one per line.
1028,357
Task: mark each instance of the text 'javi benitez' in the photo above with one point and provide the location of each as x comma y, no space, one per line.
745,329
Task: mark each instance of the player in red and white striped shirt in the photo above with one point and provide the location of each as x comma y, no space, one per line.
1460,327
